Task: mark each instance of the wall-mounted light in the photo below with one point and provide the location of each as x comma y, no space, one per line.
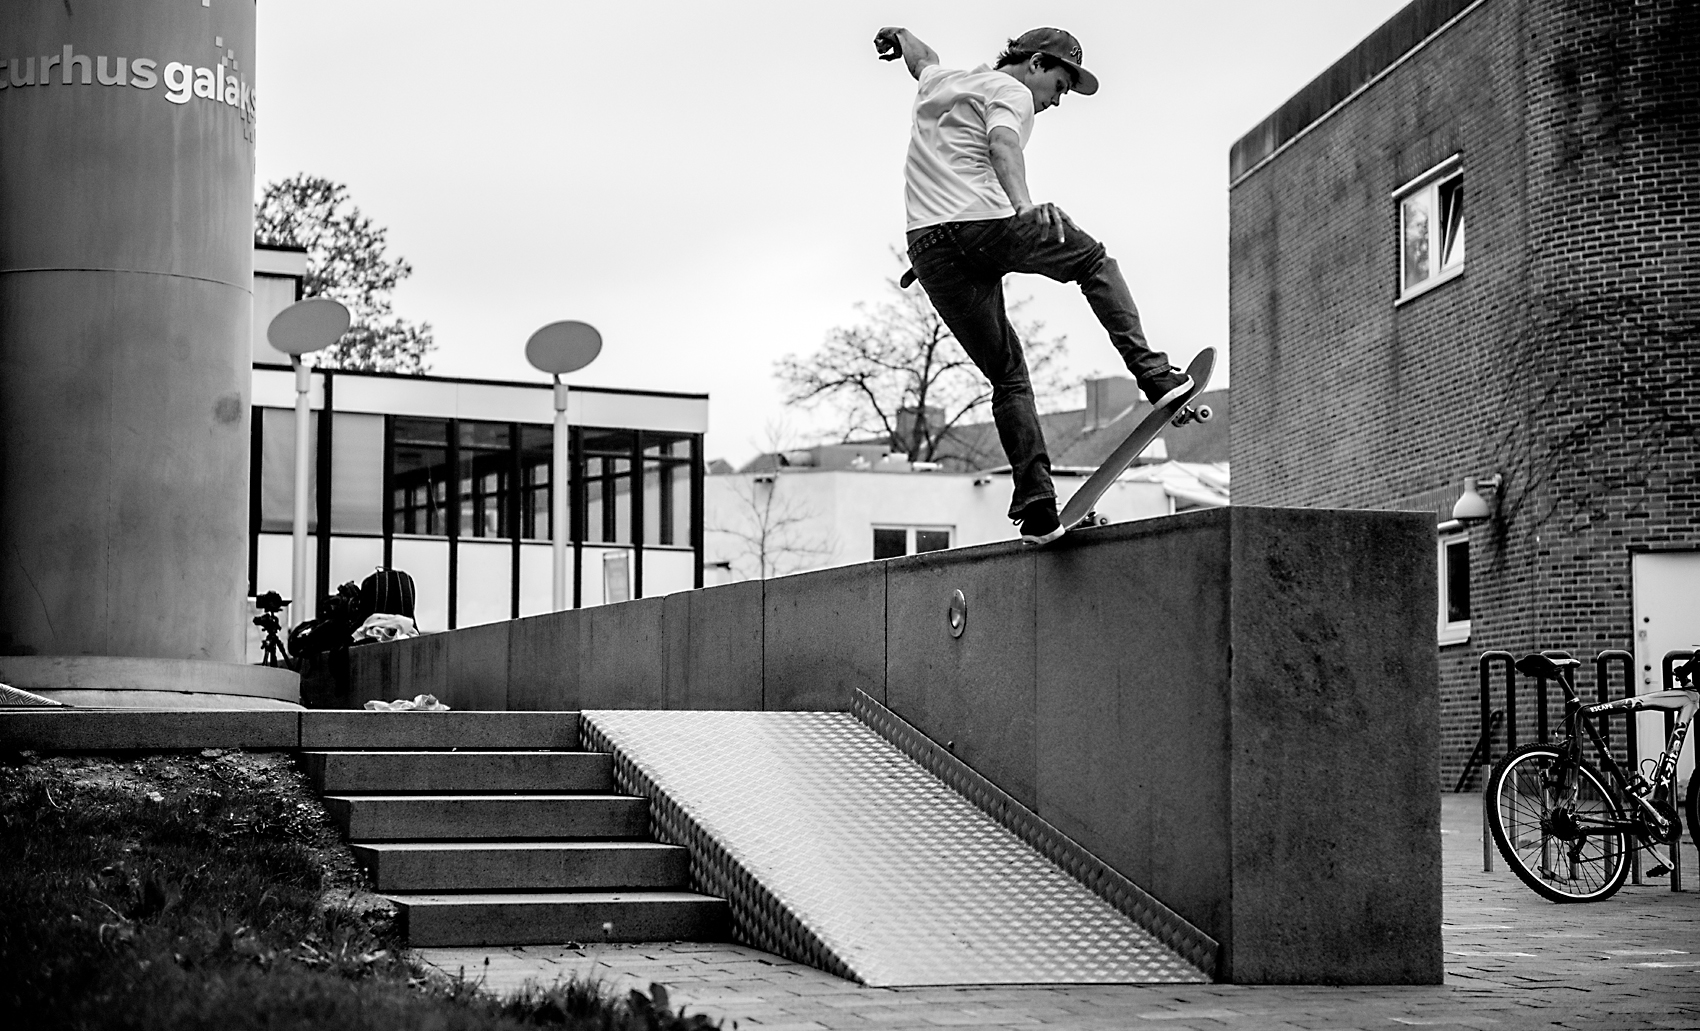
1471,506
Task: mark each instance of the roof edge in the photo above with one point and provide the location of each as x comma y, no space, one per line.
1396,38
528,384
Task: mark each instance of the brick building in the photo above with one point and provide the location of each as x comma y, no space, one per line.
1389,340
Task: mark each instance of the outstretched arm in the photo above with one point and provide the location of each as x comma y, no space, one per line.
1010,166
892,43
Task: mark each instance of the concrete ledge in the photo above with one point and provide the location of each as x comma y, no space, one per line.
169,700
148,730
1206,703
119,678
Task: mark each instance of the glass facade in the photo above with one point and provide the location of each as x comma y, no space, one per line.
468,502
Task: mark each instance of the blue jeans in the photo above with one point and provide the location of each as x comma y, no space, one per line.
962,265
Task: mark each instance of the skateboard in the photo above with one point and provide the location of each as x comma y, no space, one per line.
1180,412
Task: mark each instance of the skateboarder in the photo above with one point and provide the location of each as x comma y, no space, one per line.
971,221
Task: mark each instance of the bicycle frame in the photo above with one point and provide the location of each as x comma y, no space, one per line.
1646,820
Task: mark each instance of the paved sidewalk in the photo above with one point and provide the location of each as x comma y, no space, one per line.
1513,960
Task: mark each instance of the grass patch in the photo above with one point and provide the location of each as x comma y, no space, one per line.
210,891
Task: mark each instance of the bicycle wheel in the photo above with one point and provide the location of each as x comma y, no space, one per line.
1534,799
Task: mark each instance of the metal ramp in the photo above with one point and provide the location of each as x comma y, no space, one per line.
836,849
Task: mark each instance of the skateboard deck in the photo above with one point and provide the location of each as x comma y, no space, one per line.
1181,411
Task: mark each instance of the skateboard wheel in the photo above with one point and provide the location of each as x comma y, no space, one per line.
1204,413
1101,521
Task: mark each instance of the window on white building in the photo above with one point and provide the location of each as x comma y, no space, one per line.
892,541
1454,587
1431,228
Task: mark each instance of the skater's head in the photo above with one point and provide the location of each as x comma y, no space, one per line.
1047,62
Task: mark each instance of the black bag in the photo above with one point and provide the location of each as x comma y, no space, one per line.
339,618
389,591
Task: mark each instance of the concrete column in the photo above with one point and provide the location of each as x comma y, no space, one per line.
126,228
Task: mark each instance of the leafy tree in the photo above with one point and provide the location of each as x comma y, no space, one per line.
900,375
345,262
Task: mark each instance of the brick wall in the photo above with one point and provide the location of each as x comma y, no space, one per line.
1567,356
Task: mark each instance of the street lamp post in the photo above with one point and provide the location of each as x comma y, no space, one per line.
557,349
299,329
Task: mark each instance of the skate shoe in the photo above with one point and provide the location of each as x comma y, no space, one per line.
1166,387
1039,523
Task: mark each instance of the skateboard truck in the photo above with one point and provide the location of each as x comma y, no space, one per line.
1193,413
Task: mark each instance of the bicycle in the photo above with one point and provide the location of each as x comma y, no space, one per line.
1559,824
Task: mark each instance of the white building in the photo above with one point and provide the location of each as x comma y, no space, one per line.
844,503
448,480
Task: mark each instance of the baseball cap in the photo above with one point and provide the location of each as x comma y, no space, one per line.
1065,48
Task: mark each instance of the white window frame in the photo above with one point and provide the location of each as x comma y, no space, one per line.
1430,183
1458,631
909,530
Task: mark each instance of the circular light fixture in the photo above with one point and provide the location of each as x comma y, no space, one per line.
563,347
308,325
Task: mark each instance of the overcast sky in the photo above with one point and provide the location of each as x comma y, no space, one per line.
716,184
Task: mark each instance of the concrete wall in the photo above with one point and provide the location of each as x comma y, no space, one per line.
1234,708
126,229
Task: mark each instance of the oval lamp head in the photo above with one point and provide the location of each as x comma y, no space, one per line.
1471,506
563,347
308,326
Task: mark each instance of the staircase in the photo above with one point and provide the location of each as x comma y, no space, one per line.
492,828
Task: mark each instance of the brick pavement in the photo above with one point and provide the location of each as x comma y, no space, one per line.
1513,961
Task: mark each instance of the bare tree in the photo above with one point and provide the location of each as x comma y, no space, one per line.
900,374
774,532
771,528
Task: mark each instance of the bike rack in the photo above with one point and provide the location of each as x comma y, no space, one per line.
1668,668
1478,755
1490,718
1602,691
1484,667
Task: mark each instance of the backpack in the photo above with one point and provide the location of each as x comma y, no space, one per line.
386,590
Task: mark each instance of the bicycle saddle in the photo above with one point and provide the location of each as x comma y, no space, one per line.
1538,665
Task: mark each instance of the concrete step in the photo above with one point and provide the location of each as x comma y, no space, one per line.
109,730
463,817
524,866
466,731
397,773
558,917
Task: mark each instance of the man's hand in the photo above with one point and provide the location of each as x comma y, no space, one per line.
888,44
1049,216
893,42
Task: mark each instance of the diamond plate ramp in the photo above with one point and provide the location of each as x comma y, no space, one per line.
836,849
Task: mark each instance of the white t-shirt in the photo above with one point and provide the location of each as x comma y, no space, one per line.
948,176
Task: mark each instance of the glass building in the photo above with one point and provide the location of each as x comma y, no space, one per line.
449,480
